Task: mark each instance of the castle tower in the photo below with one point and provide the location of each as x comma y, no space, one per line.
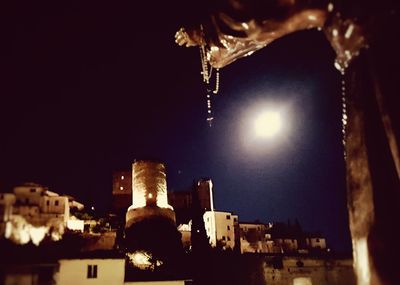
151,236
149,193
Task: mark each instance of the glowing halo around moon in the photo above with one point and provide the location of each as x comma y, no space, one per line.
268,124
268,128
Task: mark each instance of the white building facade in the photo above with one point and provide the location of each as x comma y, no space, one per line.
32,211
220,228
316,242
253,238
90,271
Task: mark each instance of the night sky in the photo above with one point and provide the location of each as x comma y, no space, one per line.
88,88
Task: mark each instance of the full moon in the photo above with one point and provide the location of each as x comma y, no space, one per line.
268,124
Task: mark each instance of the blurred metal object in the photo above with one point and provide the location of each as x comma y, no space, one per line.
346,38
228,39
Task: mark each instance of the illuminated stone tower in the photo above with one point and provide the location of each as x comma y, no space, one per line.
149,193
151,237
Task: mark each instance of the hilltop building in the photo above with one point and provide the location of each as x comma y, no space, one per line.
31,211
121,191
279,238
220,228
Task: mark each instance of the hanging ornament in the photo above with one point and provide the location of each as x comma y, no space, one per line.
207,72
344,110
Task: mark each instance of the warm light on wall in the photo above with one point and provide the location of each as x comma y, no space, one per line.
37,234
21,232
302,281
361,261
143,260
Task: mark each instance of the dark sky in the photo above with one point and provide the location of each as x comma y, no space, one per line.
88,88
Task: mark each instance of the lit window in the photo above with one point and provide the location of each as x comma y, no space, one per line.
150,195
121,188
56,203
122,177
92,271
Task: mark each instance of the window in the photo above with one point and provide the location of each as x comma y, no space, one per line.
33,190
234,219
228,217
228,227
92,271
48,203
122,177
27,200
229,239
317,240
56,203
223,238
